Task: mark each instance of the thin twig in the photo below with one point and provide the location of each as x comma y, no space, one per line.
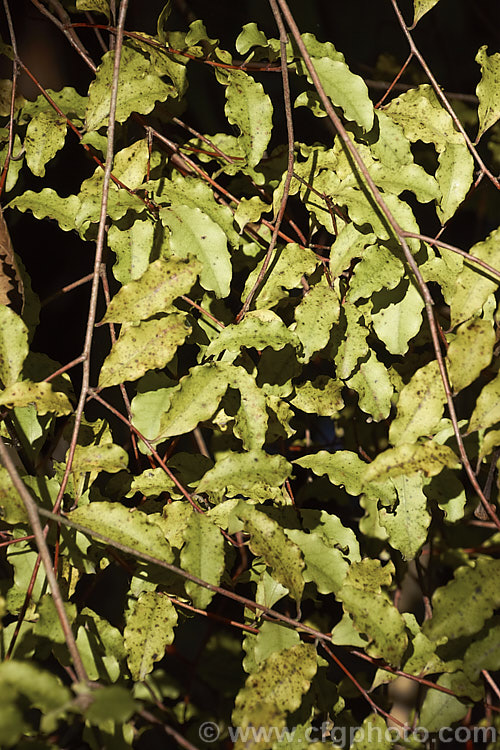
289,171
101,234
32,511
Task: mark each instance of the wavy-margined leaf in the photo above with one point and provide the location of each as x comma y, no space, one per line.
275,688
95,6
321,396
41,395
470,352
374,615
45,136
407,523
193,193
257,330
343,468
325,565
420,406
47,204
12,508
90,198
128,526
345,89
139,88
149,345
271,638
473,285
253,474
203,556
462,606
193,233
154,292
132,248
488,90
291,263
349,244
353,346
378,269
269,540
487,410
149,629
250,109
411,458
422,117
373,385
397,316
454,175
13,345
104,457
315,316
373,726
251,418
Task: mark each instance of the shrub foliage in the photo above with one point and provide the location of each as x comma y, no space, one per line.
217,514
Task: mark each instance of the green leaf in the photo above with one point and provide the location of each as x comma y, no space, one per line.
290,264
39,687
378,269
462,606
343,468
345,89
488,90
442,709
148,631
487,409
146,346
251,419
407,523
420,406
373,727
13,346
47,204
454,176
250,36
276,687
40,395
139,88
132,248
397,315
470,352
374,615
353,346
12,507
484,652
410,458
257,330
421,7
473,285
315,316
271,638
203,556
349,244
325,565
104,457
269,540
95,6
48,624
250,109
100,645
372,383
45,136
154,292
194,400
132,528
194,233
321,396
110,703
254,474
